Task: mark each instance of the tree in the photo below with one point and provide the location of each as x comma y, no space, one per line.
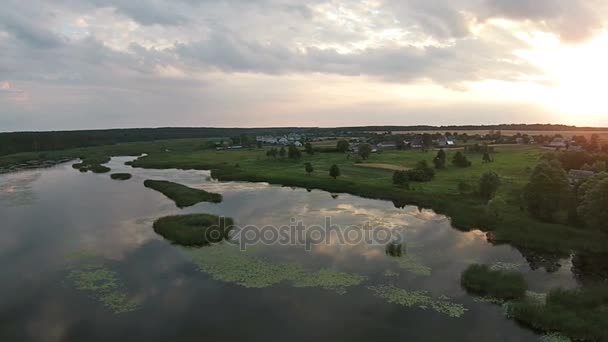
495,208
439,159
308,148
272,152
547,190
342,146
334,171
488,185
421,173
309,169
460,160
293,152
486,158
593,207
282,152
400,178
365,150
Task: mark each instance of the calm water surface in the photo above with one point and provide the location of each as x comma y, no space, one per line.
50,218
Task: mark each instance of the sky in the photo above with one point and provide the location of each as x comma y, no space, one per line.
83,64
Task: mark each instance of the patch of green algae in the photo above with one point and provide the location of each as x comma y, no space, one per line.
418,299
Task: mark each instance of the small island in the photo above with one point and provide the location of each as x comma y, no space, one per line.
182,195
121,176
193,230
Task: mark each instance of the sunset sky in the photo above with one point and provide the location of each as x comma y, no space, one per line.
72,64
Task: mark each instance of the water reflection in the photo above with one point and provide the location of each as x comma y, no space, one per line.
69,211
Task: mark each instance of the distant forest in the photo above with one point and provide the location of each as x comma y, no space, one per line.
16,142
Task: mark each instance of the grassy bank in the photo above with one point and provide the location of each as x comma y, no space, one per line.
466,211
121,176
193,230
579,314
182,195
500,284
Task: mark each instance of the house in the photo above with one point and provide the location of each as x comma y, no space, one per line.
297,144
558,143
577,176
417,143
386,145
283,141
445,141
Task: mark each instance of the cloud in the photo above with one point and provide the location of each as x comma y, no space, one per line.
572,20
127,61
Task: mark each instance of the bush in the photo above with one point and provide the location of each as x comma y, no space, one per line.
481,280
400,178
421,173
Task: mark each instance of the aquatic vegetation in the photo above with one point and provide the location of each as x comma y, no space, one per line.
389,273
481,280
88,273
121,176
505,266
228,264
411,264
418,299
193,230
488,300
182,195
554,337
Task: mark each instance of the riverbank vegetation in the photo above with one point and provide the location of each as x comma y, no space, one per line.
182,195
121,176
579,314
499,284
193,230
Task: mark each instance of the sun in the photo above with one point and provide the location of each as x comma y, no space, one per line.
576,76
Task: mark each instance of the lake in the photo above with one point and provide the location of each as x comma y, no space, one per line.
81,262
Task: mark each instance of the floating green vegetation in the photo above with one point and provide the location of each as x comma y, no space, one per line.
193,230
554,337
481,280
228,264
390,273
411,264
90,275
418,299
182,195
121,176
488,300
505,266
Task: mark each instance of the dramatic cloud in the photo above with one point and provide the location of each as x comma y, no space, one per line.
129,62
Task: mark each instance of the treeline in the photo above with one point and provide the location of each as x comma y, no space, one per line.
504,127
59,140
